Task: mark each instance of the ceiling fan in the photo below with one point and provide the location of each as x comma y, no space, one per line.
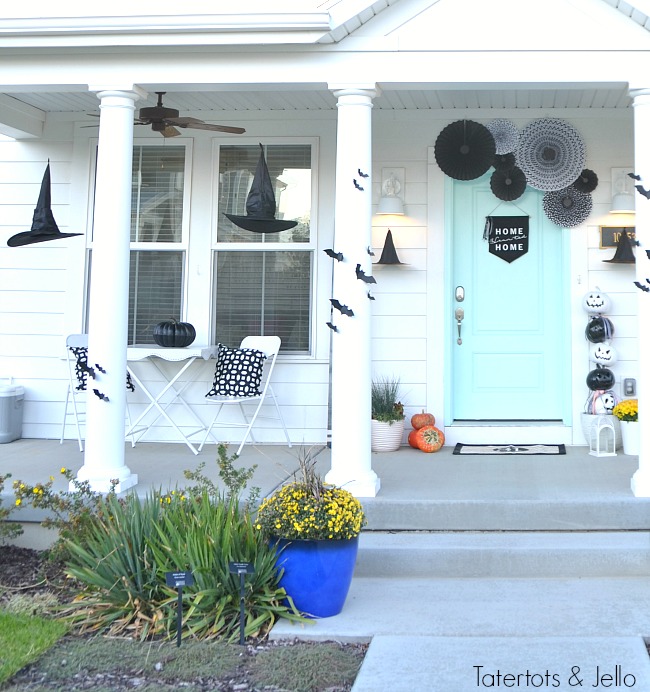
166,120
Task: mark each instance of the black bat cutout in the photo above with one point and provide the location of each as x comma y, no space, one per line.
634,176
88,369
362,275
363,175
647,252
99,395
642,287
333,327
369,251
99,367
344,309
338,256
356,184
643,191
370,296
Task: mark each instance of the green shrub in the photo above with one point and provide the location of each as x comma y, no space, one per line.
125,556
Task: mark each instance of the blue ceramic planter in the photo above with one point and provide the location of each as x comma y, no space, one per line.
317,574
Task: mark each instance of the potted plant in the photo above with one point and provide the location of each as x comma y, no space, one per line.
627,412
387,415
315,527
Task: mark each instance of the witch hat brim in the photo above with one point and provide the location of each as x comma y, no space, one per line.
389,253
623,254
260,204
44,226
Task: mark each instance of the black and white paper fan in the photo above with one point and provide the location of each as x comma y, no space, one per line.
587,181
551,154
508,185
464,150
504,162
505,133
568,207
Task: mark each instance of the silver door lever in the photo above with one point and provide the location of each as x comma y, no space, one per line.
460,314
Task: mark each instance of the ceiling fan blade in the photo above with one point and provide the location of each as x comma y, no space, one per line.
200,125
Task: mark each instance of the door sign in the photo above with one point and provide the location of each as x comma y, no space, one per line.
507,236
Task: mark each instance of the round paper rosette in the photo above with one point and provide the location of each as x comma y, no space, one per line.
505,133
568,207
504,162
508,185
587,181
551,154
464,150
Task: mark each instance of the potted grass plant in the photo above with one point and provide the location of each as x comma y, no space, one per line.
387,415
315,528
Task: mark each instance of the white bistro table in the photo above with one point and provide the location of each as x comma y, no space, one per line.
183,357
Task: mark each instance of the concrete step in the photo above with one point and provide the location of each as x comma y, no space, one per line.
503,554
600,513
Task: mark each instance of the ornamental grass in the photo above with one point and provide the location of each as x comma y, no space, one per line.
627,410
309,509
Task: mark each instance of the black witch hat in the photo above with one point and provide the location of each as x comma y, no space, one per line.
389,253
260,204
43,224
623,254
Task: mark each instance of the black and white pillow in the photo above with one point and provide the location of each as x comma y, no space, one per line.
238,372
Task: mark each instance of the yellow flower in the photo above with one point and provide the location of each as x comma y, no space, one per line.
18,502
63,469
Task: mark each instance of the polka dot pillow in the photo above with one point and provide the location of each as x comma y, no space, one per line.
238,372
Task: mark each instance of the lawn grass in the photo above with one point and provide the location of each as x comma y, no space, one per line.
23,639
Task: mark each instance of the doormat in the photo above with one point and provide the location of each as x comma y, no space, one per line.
509,449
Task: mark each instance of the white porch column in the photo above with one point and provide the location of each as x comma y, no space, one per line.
351,371
109,294
641,479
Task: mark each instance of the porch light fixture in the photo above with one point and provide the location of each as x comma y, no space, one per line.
622,203
390,203
622,192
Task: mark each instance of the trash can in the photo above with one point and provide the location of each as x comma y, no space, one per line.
11,412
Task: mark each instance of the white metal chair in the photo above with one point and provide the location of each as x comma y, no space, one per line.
76,348
235,383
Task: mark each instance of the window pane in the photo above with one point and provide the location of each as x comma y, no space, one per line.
155,291
157,201
263,293
290,170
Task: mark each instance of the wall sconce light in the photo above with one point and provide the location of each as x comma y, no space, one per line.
389,202
622,192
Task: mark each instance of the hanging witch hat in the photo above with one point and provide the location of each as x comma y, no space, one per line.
260,204
389,253
623,254
43,224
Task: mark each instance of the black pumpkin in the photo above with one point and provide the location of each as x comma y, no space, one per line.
599,329
174,334
600,379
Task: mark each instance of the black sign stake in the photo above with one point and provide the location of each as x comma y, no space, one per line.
242,569
178,580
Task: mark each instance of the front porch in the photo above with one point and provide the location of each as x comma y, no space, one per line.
419,492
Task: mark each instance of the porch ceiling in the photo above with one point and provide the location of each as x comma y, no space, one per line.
391,98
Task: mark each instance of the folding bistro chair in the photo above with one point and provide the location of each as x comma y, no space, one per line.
76,348
243,377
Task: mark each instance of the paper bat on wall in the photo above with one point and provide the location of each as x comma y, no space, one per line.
99,395
643,191
363,175
362,275
634,176
338,256
332,327
99,367
356,184
369,251
370,296
642,287
344,309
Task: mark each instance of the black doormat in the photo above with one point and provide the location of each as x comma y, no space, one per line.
509,449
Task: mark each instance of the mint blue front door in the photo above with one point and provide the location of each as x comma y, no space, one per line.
512,359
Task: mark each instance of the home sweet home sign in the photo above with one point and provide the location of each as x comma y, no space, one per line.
507,236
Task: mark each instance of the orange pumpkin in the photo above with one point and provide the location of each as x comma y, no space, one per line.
429,438
411,439
419,420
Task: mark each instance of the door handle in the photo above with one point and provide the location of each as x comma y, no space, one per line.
460,314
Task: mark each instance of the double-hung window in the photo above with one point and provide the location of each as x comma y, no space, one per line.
263,281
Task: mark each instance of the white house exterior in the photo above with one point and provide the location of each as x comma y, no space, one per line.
359,90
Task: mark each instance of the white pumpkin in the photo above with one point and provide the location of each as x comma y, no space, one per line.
603,354
596,302
604,403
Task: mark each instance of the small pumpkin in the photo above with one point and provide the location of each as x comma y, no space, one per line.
174,334
412,439
419,420
429,438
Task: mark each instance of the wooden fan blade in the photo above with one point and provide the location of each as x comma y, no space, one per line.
195,124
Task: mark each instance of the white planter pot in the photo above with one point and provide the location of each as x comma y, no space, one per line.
630,435
386,437
589,419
